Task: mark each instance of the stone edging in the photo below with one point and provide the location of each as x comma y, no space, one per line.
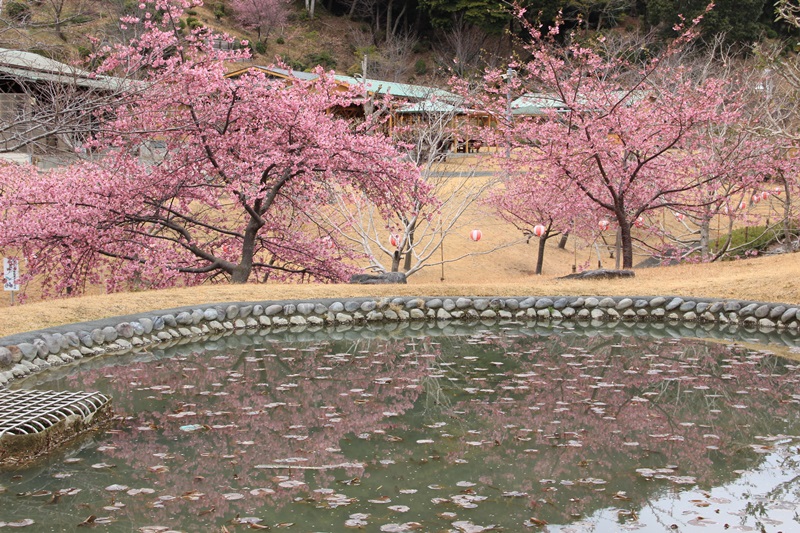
27,353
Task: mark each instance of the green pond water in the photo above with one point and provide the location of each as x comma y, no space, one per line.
493,428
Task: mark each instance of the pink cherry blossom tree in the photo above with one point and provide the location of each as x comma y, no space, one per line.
202,178
539,209
260,15
631,137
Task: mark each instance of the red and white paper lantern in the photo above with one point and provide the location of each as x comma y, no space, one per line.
394,240
539,230
603,224
475,235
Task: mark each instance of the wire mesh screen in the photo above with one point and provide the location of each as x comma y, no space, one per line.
24,412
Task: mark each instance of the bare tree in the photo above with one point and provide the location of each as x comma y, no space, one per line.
60,13
392,61
461,47
777,83
410,240
48,108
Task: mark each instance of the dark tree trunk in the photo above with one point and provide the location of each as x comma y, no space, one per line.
627,243
787,213
409,245
396,261
562,243
540,256
389,7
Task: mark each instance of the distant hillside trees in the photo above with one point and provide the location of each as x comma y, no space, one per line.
741,21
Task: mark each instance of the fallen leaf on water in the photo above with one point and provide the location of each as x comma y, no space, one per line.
535,522
19,523
36,493
88,522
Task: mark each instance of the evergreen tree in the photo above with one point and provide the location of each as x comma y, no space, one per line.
741,21
489,15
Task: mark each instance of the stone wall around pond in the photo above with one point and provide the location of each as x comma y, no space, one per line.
27,353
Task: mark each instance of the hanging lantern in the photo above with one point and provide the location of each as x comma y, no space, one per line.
603,224
756,198
777,191
539,230
764,195
680,216
475,235
394,240
742,205
639,222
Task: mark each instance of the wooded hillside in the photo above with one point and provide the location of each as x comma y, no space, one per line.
403,40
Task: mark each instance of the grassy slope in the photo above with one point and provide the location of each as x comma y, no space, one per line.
764,279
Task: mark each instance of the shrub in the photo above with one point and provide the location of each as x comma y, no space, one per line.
757,239
421,46
420,67
323,58
18,11
193,23
129,7
280,40
219,10
293,63
259,47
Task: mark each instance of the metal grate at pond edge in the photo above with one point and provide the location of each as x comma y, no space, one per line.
25,412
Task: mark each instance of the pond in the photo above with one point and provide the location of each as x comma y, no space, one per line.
497,427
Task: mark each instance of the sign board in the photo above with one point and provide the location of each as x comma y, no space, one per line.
10,274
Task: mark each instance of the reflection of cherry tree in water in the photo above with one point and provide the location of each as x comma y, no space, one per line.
686,412
569,421
271,416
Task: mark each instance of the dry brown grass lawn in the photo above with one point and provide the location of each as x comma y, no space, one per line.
764,279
